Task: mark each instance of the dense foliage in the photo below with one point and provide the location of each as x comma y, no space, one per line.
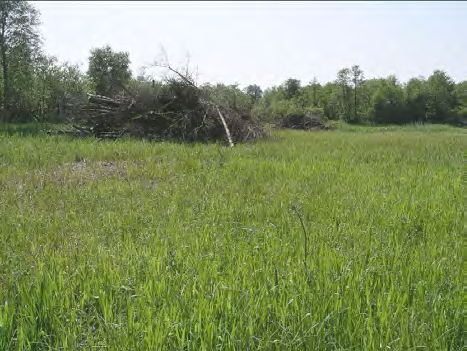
34,86
437,99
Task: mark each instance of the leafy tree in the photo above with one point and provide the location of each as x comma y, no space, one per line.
254,91
109,70
276,104
461,93
229,95
416,97
331,100
343,80
388,104
365,96
291,87
62,86
315,92
19,42
357,80
310,95
442,100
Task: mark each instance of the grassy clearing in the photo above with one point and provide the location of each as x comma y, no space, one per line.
131,245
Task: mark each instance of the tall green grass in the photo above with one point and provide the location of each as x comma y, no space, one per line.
130,245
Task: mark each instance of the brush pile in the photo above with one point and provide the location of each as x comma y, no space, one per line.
176,110
304,122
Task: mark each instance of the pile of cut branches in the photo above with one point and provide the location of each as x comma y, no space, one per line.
304,122
177,110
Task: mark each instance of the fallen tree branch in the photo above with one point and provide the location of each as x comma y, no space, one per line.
82,130
229,137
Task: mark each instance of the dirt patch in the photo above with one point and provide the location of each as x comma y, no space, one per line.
79,173
84,171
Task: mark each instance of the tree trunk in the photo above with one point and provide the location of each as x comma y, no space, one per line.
355,106
315,103
346,102
5,81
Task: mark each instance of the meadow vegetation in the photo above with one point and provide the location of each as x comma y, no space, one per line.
129,244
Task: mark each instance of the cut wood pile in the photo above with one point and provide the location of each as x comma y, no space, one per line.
304,122
178,110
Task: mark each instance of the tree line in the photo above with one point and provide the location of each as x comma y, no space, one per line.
34,86
354,99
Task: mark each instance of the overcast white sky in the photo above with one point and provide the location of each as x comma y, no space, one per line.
266,42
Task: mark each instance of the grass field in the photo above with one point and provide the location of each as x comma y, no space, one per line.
129,245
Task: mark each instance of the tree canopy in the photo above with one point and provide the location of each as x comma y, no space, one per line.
108,70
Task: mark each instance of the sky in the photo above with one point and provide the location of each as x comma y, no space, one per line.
266,42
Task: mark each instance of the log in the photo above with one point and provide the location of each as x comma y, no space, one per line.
103,100
82,130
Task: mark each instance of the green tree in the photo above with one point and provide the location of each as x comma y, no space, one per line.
309,95
461,92
229,95
19,43
291,87
108,70
416,97
365,95
254,91
442,100
315,92
331,100
59,87
357,80
343,80
388,104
